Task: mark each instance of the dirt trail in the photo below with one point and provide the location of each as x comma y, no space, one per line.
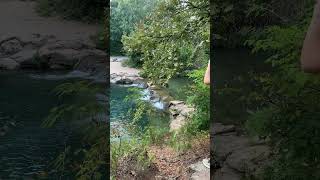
18,18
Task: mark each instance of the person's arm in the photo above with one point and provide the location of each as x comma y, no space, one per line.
310,55
206,79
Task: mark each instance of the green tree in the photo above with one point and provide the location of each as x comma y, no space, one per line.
125,14
174,38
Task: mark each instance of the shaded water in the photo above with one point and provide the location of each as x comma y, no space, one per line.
27,149
231,65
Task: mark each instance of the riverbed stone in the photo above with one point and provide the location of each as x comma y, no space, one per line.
8,64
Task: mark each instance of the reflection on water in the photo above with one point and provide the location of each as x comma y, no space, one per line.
27,149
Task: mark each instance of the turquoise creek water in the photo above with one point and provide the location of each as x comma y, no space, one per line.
26,148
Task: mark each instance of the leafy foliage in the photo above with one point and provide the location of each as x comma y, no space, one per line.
199,97
234,21
174,38
289,104
125,14
90,160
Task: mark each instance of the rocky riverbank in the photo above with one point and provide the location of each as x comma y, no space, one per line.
179,110
29,41
47,53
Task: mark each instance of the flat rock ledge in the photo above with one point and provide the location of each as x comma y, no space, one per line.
199,171
46,52
236,156
180,112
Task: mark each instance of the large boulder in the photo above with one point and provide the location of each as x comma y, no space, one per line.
73,55
10,47
224,145
91,60
177,122
200,172
180,112
26,58
250,159
8,64
66,58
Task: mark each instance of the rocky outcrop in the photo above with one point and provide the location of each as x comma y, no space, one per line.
200,172
126,79
237,156
180,112
48,53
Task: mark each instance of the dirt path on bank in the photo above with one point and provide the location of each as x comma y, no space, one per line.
19,18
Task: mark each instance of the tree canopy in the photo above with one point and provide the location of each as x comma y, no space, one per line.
174,38
125,14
